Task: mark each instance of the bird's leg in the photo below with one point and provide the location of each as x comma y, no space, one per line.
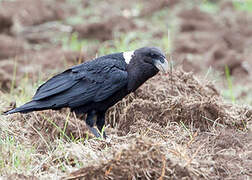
100,123
90,123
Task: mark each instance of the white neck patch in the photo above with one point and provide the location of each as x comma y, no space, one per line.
128,56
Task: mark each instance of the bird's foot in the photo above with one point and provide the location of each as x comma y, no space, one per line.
104,135
96,133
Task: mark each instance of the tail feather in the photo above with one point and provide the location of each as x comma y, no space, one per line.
28,107
53,102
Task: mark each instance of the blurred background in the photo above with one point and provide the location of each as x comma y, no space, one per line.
212,38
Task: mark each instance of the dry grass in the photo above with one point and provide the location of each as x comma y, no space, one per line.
170,128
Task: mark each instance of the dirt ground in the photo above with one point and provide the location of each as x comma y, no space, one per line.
227,40
176,126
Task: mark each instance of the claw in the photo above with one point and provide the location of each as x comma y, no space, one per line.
104,135
94,131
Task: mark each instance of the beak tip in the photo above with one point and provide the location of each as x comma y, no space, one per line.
162,66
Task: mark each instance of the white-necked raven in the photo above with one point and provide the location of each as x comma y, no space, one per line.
94,86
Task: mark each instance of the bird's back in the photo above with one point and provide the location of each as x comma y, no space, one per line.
84,85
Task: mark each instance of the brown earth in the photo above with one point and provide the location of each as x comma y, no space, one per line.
24,23
216,41
145,158
104,30
30,64
130,164
16,14
154,6
10,46
186,100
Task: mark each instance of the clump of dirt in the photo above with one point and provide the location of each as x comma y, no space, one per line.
143,159
104,30
216,41
182,99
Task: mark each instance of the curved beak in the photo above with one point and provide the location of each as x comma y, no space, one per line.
162,65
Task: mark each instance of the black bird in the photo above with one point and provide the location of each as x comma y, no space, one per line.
94,86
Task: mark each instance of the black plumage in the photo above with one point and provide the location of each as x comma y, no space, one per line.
94,86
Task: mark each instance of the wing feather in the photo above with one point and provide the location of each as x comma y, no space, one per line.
55,85
116,80
89,82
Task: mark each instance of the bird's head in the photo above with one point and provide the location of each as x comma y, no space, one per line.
150,56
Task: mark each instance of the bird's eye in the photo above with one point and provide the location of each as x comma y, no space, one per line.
152,55
162,60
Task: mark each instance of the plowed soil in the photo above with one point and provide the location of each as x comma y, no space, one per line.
216,41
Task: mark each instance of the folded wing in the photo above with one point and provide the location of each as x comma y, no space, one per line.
55,85
90,82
